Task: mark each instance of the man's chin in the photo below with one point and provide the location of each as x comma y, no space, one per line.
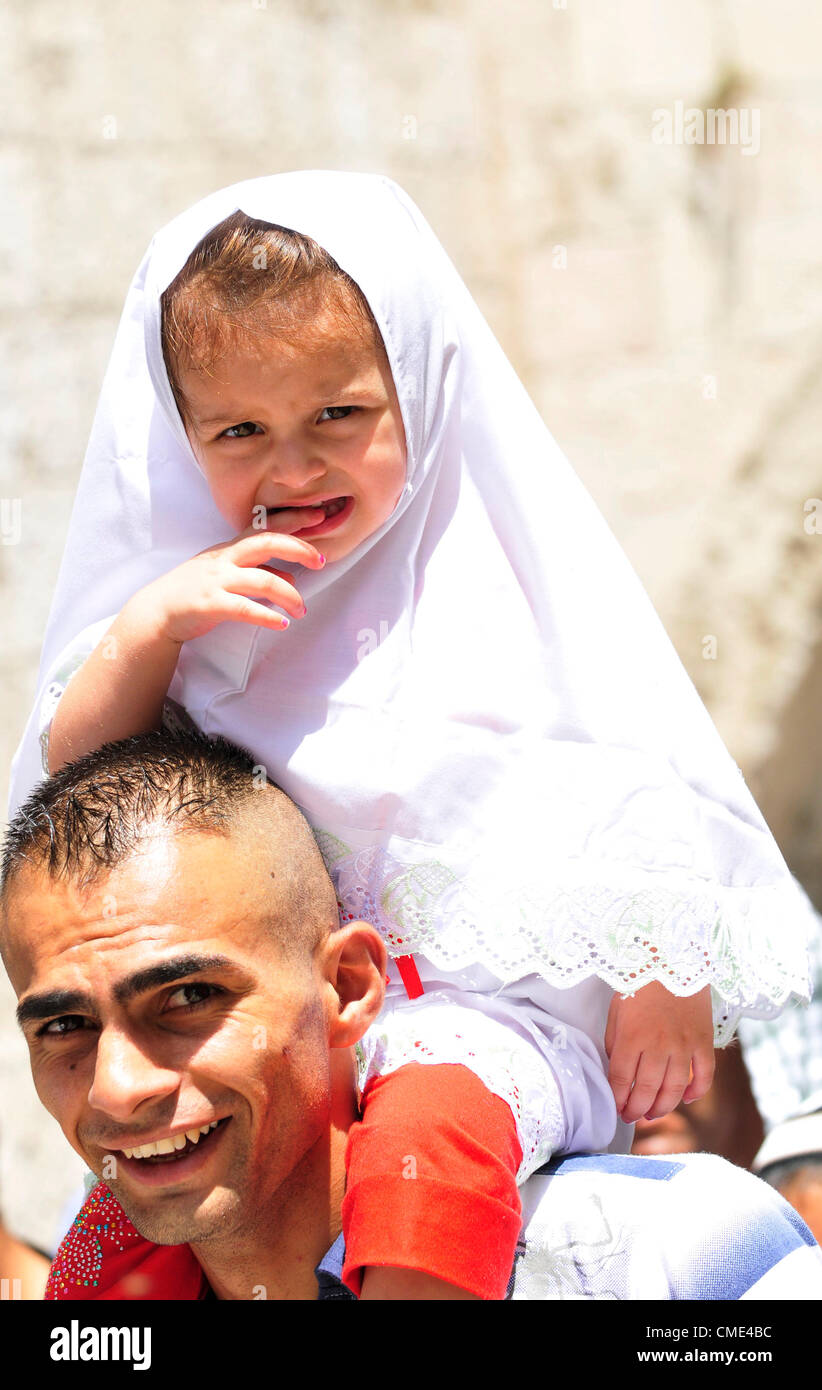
179,1219
182,1198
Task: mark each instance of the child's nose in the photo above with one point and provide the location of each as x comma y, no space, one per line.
293,467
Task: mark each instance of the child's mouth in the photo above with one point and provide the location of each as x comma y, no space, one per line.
330,515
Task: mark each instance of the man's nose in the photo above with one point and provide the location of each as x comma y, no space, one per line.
124,1076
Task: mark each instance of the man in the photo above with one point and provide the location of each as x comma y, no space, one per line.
191,1004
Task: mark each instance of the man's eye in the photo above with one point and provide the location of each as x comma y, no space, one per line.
60,1027
185,1001
337,407
246,425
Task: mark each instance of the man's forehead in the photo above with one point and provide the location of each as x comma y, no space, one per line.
188,889
191,867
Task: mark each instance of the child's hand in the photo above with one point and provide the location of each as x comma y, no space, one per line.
657,1043
225,582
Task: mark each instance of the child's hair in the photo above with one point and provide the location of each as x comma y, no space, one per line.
248,280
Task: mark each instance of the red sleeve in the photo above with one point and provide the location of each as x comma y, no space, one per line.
431,1180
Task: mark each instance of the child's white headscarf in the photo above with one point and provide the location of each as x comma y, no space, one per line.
482,716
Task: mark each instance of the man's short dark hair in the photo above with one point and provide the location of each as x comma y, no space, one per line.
92,814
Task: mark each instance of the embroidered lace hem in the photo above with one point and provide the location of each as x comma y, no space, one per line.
608,920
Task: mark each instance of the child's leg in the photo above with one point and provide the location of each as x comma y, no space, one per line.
431,1182
519,1091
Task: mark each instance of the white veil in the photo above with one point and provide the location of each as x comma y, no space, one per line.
482,716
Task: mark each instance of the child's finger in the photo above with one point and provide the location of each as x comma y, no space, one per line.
703,1064
670,1092
263,582
252,545
281,574
649,1076
622,1073
240,609
293,519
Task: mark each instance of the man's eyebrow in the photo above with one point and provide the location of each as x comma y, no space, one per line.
66,1001
167,972
56,1001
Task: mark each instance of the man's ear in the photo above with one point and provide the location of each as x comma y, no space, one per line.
354,966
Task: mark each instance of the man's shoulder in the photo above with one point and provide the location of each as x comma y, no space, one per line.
683,1226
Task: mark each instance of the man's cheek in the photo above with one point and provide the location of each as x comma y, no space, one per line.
61,1097
234,1044
52,1085
234,1061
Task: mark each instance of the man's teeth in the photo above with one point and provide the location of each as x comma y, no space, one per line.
167,1146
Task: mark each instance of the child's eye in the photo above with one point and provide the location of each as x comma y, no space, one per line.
246,424
338,407
246,428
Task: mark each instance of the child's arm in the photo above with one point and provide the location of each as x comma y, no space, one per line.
120,688
660,1049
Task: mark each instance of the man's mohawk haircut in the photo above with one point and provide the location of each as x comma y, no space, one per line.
92,814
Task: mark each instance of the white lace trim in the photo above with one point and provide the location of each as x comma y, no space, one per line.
627,928
434,1030
48,706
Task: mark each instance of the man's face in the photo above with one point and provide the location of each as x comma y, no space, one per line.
168,1006
322,428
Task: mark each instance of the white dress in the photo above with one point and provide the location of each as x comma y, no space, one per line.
505,764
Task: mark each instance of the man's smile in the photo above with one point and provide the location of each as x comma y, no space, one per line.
171,1159
167,1143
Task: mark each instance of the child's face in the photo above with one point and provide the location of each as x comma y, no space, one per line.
279,429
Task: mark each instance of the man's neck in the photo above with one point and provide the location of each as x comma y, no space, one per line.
276,1255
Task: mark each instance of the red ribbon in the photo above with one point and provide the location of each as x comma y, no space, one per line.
410,976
